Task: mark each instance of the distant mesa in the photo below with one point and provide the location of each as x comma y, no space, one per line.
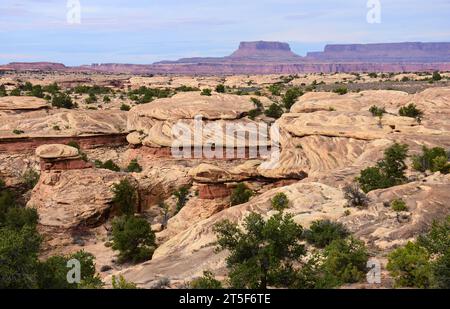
263,57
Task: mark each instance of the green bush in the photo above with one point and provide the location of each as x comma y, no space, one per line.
108,165
434,159
37,91
240,195
30,178
133,238
125,197
355,197
280,202
274,111
16,92
122,284
3,91
323,232
291,96
399,205
182,197
436,76
345,261
62,100
263,252
220,88
377,111
206,92
134,167
410,266
125,107
411,111
18,132
206,282
187,89
275,89
341,90
388,172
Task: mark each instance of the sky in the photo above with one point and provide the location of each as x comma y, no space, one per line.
145,31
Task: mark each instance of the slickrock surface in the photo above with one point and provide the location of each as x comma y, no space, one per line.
74,198
56,151
21,104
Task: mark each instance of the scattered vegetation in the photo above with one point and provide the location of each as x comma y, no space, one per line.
323,232
206,92
355,197
182,197
220,88
18,132
388,172
134,167
125,107
208,281
280,202
434,160
341,90
274,111
411,111
30,178
377,111
62,100
291,96
240,195
125,197
108,165
121,284
424,263
398,205
133,238
262,254
3,91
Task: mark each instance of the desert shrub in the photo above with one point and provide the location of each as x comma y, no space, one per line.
355,197
388,172
92,98
341,90
377,111
252,114
280,202
220,88
52,88
410,266
411,111
206,282
291,96
398,205
108,165
262,253
274,111
373,75
18,132
125,107
62,100
240,195
206,92
258,104
405,79
434,159
133,238
125,197
182,197
37,91
345,261
19,257
16,92
121,284
185,88
134,167
275,89
323,232
3,91
52,273
30,178
106,99
436,76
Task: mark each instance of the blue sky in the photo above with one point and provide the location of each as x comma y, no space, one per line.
138,31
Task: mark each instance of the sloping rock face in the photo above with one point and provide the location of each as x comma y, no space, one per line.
60,205
57,151
67,122
13,104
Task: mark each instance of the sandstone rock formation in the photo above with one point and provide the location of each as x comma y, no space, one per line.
60,205
21,104
57,151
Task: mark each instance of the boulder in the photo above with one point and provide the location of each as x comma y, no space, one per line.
56,151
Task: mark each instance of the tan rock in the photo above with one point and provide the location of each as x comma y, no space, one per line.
56,151
22,103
